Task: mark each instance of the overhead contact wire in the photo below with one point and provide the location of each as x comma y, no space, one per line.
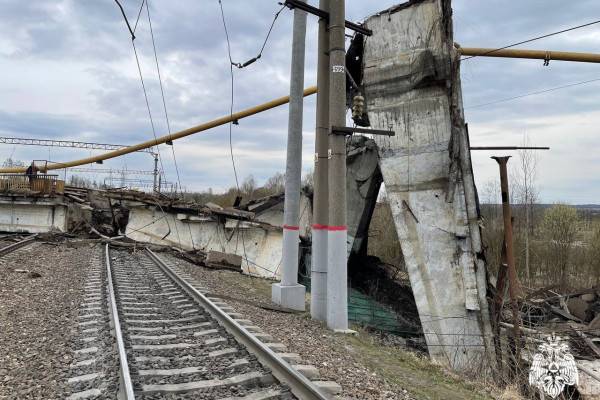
162,92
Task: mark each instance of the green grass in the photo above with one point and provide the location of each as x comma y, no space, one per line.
419,376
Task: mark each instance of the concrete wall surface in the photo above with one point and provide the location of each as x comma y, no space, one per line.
412,86
363,180
32,216
260,248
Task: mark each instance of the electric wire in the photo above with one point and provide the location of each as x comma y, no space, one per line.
138,16
532,39
533,93
262,48
162,93
137,60
232,93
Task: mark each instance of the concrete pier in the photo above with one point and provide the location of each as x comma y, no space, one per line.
412,86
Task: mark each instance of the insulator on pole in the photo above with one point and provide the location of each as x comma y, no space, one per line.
358,106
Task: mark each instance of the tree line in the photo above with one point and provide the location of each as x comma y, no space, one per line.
556,244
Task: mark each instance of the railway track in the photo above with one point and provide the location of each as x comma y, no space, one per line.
172,342
10,247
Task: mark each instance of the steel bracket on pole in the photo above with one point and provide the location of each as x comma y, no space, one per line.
324,14
346,131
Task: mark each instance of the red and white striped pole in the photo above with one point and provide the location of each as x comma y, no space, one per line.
318,275
337,257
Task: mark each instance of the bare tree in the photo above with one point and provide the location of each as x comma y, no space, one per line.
275,184
10,162
526,194
560,226
490,192
308,179
248,186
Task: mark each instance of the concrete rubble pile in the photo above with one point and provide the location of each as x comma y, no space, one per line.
573,317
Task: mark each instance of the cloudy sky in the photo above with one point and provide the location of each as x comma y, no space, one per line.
68,72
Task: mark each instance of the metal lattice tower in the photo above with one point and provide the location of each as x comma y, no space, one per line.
85,145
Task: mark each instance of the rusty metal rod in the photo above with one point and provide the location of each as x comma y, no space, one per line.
163,139
514,286
531,54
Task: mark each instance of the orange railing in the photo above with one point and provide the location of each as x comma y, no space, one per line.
41,184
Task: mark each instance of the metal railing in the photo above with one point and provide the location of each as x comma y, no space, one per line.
39,184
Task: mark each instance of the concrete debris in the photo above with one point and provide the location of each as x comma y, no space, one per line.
595,323
578,307
574,317
217,259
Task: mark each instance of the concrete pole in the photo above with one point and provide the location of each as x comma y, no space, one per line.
288,293
337,259
318,276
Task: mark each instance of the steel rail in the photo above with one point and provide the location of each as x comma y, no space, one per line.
300,386
12,247
126,382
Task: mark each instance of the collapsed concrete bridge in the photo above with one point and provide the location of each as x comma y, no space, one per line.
409,75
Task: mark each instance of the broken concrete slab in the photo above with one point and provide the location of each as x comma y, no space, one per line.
589,383
595,324
363,180
32,215
214,257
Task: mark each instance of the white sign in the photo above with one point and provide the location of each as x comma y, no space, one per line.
338,68
553,367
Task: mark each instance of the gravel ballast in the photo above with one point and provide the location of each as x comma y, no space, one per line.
36,318
330,353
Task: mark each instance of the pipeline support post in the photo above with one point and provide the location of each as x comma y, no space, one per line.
155,187
337,231
318,275
288,293
513,286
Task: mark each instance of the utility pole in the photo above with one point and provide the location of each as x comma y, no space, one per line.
337,258
288,293
318,275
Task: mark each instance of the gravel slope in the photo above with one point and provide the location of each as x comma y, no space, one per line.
36,318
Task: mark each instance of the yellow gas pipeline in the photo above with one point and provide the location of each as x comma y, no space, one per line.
533,54
466,51
177,135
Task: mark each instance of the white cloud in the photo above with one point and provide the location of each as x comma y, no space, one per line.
68,71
